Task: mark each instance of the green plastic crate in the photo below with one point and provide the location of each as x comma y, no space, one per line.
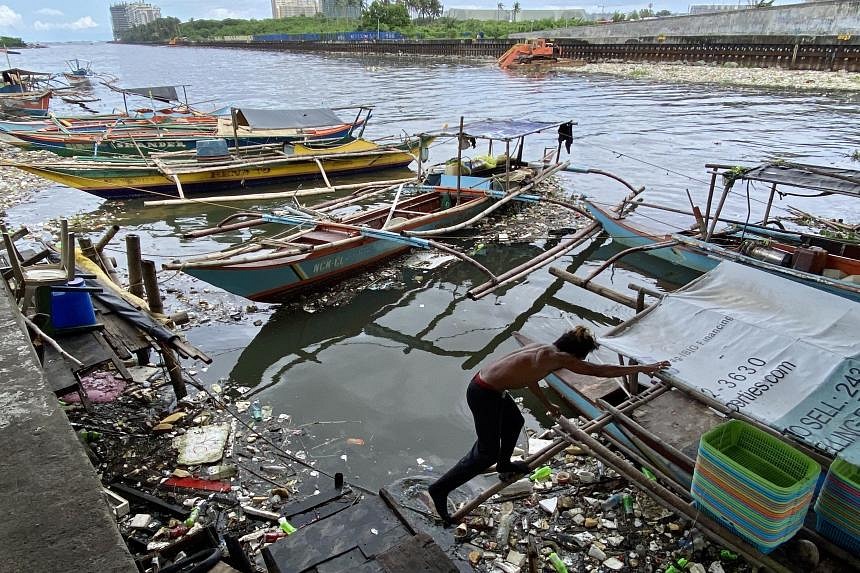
762,458
847,472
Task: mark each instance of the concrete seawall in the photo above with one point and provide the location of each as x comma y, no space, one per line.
55,516
830,21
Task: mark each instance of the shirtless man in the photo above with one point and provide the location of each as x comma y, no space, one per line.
498,420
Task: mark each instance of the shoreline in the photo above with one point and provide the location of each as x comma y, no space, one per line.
723,75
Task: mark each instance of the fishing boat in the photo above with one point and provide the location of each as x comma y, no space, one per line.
246,127
178,174
328,250
24,93
273,270
817,261
80,72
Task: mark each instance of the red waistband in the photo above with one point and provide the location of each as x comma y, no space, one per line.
480,382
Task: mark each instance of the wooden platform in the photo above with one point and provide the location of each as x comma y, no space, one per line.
362,537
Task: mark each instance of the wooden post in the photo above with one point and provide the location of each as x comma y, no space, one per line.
102,243
769,205
174,370
711,188
459,157
150,281
135,273
92,254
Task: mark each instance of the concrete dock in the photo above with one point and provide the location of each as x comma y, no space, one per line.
56,517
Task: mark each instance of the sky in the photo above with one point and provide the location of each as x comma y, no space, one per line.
89,20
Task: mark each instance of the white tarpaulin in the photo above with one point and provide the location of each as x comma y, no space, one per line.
783,353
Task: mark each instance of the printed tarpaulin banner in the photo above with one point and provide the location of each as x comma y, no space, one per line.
781,352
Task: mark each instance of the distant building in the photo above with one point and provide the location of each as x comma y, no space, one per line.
127,15
340,9
290,8
714,8
521,16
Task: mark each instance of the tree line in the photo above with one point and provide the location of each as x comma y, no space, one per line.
412,18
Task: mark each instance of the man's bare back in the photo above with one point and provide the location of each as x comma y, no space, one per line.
531,363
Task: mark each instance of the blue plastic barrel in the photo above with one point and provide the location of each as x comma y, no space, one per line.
70,309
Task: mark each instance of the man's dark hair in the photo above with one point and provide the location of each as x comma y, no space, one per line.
578,342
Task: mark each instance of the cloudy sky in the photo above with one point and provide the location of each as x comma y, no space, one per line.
64,20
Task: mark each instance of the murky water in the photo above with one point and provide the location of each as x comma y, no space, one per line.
390,366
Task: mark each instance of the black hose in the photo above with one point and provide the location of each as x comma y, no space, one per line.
202,562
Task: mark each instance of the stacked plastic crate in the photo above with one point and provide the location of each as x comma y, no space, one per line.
838,506
753,483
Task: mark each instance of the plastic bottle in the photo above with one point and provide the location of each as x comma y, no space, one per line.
649,474
88,436
542,473
286,526
557,563
627,503
728,555
192,519
256,410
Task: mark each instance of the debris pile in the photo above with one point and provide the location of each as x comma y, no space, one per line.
219,460
576,515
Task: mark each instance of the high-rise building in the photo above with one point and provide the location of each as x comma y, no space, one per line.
126,15
290,8
340,9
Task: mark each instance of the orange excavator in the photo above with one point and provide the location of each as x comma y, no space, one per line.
535,51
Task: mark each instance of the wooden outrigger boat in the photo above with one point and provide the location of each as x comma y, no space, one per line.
80,72
273,270
178,174
24,93
246,127
329,251
817,261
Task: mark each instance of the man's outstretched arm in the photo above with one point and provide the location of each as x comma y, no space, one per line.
609,370
553,409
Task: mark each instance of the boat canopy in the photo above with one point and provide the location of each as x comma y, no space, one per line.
499,129
160,93
20,72
813,177
286,118
748,339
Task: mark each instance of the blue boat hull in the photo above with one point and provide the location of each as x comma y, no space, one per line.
275,282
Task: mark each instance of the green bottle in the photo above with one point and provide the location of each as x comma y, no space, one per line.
542,473
286,526
728,555
649,474
557,563
192,519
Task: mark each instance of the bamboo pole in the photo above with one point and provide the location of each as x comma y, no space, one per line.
322,172
106,238
51,342
278,195
135,273
595,288
546,257
507,198
624,253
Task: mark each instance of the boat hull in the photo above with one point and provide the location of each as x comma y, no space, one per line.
83,147
277,282
630,236
706,256
146,181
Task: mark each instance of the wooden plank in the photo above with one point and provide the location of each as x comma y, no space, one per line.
351,561
311,502
676,419
323,540
417,554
